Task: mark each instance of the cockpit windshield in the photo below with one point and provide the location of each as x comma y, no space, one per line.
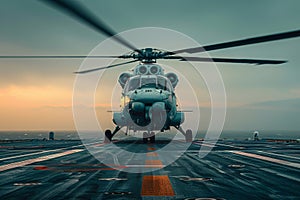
138,82
133,84
163,83
147,82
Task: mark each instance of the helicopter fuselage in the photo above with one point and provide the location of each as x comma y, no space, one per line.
148,101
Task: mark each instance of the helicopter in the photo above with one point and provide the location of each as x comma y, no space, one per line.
148,97
148,100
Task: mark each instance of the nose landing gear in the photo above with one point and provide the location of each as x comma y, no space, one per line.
148,135
188,134
109,135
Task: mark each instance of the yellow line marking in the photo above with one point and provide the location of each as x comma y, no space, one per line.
153,154
153,162
157,185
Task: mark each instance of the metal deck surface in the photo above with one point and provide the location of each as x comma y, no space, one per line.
232,170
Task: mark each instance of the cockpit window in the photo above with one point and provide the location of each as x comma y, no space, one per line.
163,84
147,82
158,82
133,84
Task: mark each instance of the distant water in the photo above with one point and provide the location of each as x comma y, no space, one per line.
24,135
242,135
72,135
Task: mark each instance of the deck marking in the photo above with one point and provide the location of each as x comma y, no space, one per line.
144,166
151,149
157,185
41,152
29,154
265,158
154,163
27,184
40,159
227,145
153,154
280,174
281,155
201,144
208,144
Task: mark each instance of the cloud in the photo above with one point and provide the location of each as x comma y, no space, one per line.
295,91
292,105
56,107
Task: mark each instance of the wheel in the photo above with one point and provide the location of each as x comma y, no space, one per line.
108,136
152,137
188,135
145,137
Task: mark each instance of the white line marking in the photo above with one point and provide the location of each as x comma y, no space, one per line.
29,154
116,160
227,145
265,158
40,159
281,155
204,144
41,152
280,174
26,184
217,144
208,145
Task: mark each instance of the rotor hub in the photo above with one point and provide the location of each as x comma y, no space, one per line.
147,55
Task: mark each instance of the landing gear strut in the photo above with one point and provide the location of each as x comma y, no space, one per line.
188,134
109,135
145,137
152,137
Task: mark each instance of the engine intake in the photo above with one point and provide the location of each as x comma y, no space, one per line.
123,78
173,78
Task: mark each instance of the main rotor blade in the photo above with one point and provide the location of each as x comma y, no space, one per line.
228,60
100,68
55,56
243,42
80,13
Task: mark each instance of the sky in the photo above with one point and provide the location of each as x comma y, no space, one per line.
37,94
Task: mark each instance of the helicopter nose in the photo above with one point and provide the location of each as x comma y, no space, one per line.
148,96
